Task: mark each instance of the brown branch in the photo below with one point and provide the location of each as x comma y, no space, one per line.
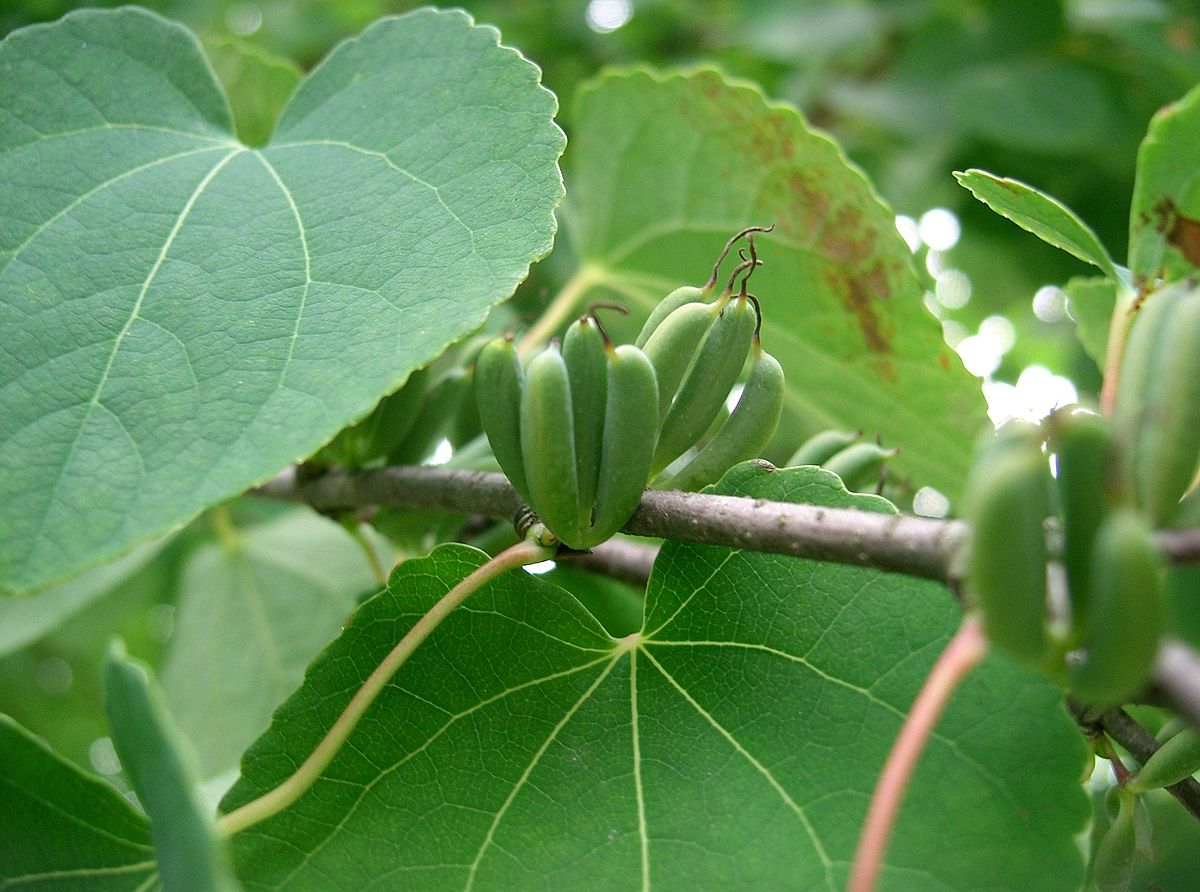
1121,727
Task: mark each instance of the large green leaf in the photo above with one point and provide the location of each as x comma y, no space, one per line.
665,167
1035,211
156,758
184,315
732,743
61,828
1164,220
254,609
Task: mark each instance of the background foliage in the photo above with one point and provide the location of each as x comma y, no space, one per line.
1056,94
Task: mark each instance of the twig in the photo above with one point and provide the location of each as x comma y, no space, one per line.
917,546
1177,675
1118,725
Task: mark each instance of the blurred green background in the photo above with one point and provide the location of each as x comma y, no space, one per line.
1057,94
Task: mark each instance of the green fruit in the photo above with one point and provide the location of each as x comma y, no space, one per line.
821,447
1157,412
672,348
673,301
498,383
1007,501
708,381
1113,865
1088,487
630,419
1124,616
548,445
747,430
583,351
1175,760
859,464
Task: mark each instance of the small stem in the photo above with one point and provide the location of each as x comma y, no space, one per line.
962,654
559,309
227,533
352,527
274,801
1126,307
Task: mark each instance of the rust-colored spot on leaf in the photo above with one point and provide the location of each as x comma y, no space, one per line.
944,362
860,293
1181,232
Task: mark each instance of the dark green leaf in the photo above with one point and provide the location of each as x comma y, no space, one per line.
184,315
155,757
665,167
61,828
1035,211
732,743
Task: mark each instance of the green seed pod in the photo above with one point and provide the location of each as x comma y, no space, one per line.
587,367
498,383
707,383
821,447
438,409
1007,501
548,445
1125,613
746,431
1113,865
1088,487
1157,412
669,304
1175,760
630,418
859,464
672,348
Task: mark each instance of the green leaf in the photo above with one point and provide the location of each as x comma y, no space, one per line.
1043,215
732,743
1090,302
665,167
61,828
184,315
258,83
155,757
1164,219
25,620
253,610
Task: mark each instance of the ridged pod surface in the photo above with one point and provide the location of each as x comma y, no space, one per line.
747,430
1125,612
673,301
587,367
1007,501
1157,412
548,444
707,383
498,381
822,446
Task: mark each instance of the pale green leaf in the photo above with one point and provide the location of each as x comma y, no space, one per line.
61,828
184,315
1090,302
732,743
258,84
1164,219
253,610
665,167
155,756
25,620
1043,215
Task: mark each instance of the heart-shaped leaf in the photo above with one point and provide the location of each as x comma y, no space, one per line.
665,167
732,743
184,315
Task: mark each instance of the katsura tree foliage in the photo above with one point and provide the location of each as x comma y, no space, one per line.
194,299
